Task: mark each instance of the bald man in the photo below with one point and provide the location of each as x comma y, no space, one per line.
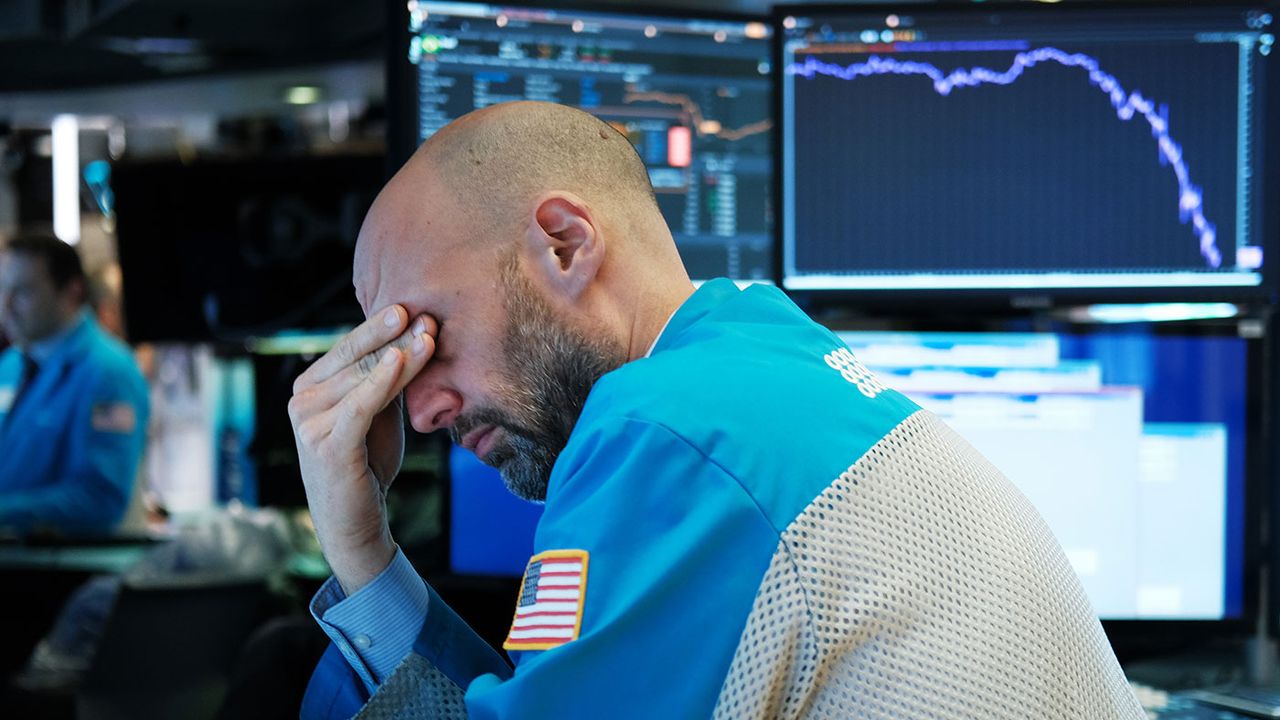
741,521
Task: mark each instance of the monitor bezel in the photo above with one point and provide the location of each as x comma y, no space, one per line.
997,299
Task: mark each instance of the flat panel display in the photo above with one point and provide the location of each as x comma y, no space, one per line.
994,148
693,94
1131,445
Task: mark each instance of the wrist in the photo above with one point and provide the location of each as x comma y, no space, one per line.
357,566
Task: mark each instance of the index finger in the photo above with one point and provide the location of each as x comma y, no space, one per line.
379,329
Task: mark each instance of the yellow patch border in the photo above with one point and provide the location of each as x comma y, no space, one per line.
581,555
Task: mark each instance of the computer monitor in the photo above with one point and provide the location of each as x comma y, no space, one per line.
1134,445
490,531
1100,149
231,249
692,93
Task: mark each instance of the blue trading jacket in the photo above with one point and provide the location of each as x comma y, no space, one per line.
71,445
681,474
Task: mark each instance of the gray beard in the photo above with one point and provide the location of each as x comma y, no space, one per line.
550,370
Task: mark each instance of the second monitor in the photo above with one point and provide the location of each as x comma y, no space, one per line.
693,95
1004,149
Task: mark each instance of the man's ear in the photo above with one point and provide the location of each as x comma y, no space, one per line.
565,244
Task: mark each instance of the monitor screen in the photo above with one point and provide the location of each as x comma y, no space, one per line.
490,530
1117,148
1130,444
231,249
692,94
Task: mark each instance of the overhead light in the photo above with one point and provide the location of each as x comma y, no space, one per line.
66,178
302,95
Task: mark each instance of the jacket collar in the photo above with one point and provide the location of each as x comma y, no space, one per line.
66,346
705,299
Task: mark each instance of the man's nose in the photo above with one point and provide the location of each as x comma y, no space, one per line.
431,405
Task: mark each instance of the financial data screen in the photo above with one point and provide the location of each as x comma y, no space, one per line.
693,96
1130,445
1029,148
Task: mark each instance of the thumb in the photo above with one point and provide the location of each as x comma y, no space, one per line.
385,443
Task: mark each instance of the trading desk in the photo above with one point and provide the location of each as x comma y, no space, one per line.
73,558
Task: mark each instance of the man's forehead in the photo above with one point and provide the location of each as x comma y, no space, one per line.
365,273
379,257
399,260
385,281
393,233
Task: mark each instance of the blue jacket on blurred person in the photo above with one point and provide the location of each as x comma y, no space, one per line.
73,404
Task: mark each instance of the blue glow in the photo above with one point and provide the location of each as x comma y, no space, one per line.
1159,312
97,175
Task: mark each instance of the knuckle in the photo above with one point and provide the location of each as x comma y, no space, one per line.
356,409
345,351
403,341
301,405
295,409
366,363
304,380
309,434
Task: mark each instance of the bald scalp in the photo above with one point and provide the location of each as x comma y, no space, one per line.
499,159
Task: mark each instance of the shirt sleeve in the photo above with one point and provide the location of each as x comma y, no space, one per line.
676,552
374,629
102,461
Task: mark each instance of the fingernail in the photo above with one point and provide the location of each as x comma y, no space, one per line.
389,357
392,318
419,327
418,345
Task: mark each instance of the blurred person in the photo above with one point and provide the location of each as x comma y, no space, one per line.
73,404
740,520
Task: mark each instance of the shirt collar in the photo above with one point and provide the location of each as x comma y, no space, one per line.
654,344
702,301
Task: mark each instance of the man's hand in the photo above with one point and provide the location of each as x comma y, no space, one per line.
347,423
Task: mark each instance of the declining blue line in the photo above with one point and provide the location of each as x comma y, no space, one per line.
1190,197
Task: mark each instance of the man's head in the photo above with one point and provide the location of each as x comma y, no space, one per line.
530,233
42,287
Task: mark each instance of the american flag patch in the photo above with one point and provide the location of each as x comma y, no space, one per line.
549,612
113,418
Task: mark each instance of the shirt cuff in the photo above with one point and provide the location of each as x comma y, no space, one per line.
376,627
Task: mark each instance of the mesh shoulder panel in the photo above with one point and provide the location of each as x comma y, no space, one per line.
922,584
